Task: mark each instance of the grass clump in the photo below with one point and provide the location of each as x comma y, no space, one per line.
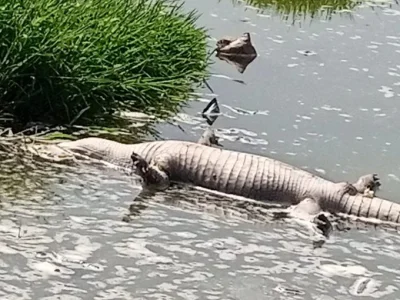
295,10
63,60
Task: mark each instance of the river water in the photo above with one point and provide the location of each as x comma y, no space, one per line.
321,95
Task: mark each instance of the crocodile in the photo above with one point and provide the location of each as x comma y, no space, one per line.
248,175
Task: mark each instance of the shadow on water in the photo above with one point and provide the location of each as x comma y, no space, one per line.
130,128
239,62
124,127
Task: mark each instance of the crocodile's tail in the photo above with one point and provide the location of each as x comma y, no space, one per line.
362,206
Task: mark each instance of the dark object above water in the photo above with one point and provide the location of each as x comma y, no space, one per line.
236,46
238,51
211,112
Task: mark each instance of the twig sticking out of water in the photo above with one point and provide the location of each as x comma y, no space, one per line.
208,86
19,231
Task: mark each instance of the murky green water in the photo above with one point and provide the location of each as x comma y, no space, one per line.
82,233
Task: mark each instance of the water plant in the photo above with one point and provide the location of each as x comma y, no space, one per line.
296,10
68,60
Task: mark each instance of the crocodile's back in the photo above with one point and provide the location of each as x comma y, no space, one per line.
232,172
244,174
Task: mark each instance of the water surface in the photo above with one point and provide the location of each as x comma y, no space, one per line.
322,95
77,233
334,109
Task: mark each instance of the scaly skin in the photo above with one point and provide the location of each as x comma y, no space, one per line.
251,176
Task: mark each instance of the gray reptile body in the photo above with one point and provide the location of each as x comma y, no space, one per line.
248,175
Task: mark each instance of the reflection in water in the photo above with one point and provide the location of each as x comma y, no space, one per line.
127,126
228,207
131,129
240,62
124,127
295,10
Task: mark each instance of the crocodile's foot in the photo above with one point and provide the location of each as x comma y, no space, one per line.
347,188
209,138
368,185
306,209
323,224
151,174
310,214
142,167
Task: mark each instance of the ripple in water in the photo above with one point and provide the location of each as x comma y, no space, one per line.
68,237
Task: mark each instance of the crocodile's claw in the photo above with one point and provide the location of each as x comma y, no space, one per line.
368,185
140,164
152,174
